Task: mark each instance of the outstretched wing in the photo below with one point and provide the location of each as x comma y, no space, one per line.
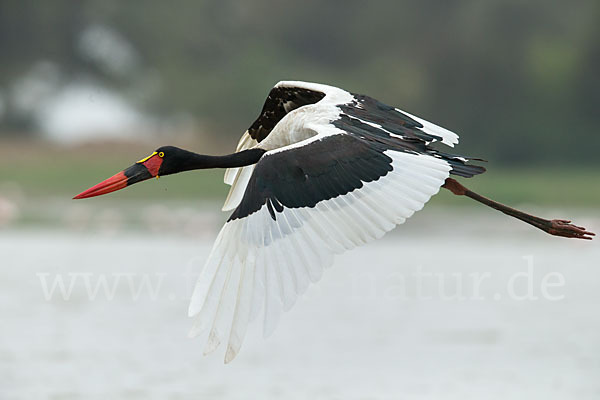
358,115
395,122
366,117
303,204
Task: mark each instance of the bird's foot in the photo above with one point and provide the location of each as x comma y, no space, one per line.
562,227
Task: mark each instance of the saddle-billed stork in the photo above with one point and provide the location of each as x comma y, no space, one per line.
319,172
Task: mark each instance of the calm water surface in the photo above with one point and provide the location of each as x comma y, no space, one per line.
433,311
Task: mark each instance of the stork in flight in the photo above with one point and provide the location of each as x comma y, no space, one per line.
319,172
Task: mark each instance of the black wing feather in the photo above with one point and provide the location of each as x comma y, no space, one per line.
412,138
279,102
321,170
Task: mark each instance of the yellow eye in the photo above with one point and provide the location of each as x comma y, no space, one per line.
161,154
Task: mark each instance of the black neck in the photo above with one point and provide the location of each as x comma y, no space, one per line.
189,161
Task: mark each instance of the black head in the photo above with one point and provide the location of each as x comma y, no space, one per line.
173,159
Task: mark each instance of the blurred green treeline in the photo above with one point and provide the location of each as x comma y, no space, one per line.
518,80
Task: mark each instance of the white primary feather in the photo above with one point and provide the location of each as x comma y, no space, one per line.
448,137
260,264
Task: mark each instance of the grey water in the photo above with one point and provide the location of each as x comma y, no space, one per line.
442,308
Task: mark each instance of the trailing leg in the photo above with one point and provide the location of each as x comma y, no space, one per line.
556,227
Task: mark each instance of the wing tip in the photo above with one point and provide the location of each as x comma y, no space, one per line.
453,141
212,343
227,206
193,308
230,354
448,137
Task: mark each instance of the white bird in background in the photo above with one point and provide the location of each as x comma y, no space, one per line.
320,171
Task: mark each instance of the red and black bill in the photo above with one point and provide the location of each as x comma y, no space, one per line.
144,169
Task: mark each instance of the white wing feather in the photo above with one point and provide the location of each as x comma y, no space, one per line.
449,138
